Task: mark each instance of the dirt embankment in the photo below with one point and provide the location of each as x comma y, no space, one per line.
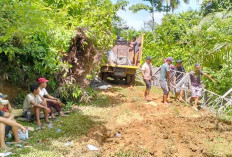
153,129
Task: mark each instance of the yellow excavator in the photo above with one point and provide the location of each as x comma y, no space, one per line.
123,60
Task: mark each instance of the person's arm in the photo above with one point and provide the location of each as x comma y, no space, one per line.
174,80
209,77
143,74
38,105
167,68
12,123
168,76
51,97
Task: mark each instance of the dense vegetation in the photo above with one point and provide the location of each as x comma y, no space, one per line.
35,35
204,37
37,38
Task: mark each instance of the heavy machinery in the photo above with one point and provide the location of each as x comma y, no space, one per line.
121,65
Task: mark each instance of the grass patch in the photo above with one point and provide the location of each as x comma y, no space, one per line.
49,142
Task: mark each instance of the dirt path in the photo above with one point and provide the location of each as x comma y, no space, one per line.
129,126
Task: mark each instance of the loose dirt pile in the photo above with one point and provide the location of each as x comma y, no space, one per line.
155,130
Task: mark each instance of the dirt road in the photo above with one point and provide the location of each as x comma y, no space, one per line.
129,126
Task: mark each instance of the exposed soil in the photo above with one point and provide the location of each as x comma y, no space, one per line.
153,129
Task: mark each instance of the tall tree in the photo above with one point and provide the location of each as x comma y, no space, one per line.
156,6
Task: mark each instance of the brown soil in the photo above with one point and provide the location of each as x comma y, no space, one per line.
154,129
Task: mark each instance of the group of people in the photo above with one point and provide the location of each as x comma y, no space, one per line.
36,101
165,80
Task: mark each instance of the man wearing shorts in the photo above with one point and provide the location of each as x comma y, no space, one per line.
7,125
179,70
165,78
135,45
147,77
33,104
196,88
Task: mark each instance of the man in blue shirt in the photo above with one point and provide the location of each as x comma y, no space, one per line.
165,78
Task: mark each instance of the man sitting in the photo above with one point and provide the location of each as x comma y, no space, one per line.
33,104
50,100
5,104
5,107
7,125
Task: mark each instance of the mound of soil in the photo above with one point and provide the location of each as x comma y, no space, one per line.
159,130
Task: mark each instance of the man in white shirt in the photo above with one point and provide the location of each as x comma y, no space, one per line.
51,101
5,104
147,77
33,104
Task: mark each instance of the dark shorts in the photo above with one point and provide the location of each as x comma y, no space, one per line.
2,113
7,129
164,86
148,84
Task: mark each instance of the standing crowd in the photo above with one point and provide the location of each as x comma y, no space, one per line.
165,80
36,101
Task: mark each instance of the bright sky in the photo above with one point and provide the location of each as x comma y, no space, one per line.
137,20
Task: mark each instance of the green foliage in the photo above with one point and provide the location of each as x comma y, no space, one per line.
210,6
34,34
193,38
18,101
156,5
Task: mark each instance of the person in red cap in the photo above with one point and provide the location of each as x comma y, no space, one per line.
51,101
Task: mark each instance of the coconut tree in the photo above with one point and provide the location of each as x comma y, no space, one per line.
156,6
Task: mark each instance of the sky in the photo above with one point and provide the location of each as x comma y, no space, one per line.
136,20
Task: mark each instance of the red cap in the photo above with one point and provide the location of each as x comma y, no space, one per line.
42,80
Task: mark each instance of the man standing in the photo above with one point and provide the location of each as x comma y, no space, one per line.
165,78
135,45
33,104
147,76
196,88
179,69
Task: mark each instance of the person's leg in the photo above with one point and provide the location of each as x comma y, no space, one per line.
8,115
181,95
37,115
2,136
9,108
148,88
46,115
166,92
15,134
165,97
50,105
136,58
196,101
176,96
